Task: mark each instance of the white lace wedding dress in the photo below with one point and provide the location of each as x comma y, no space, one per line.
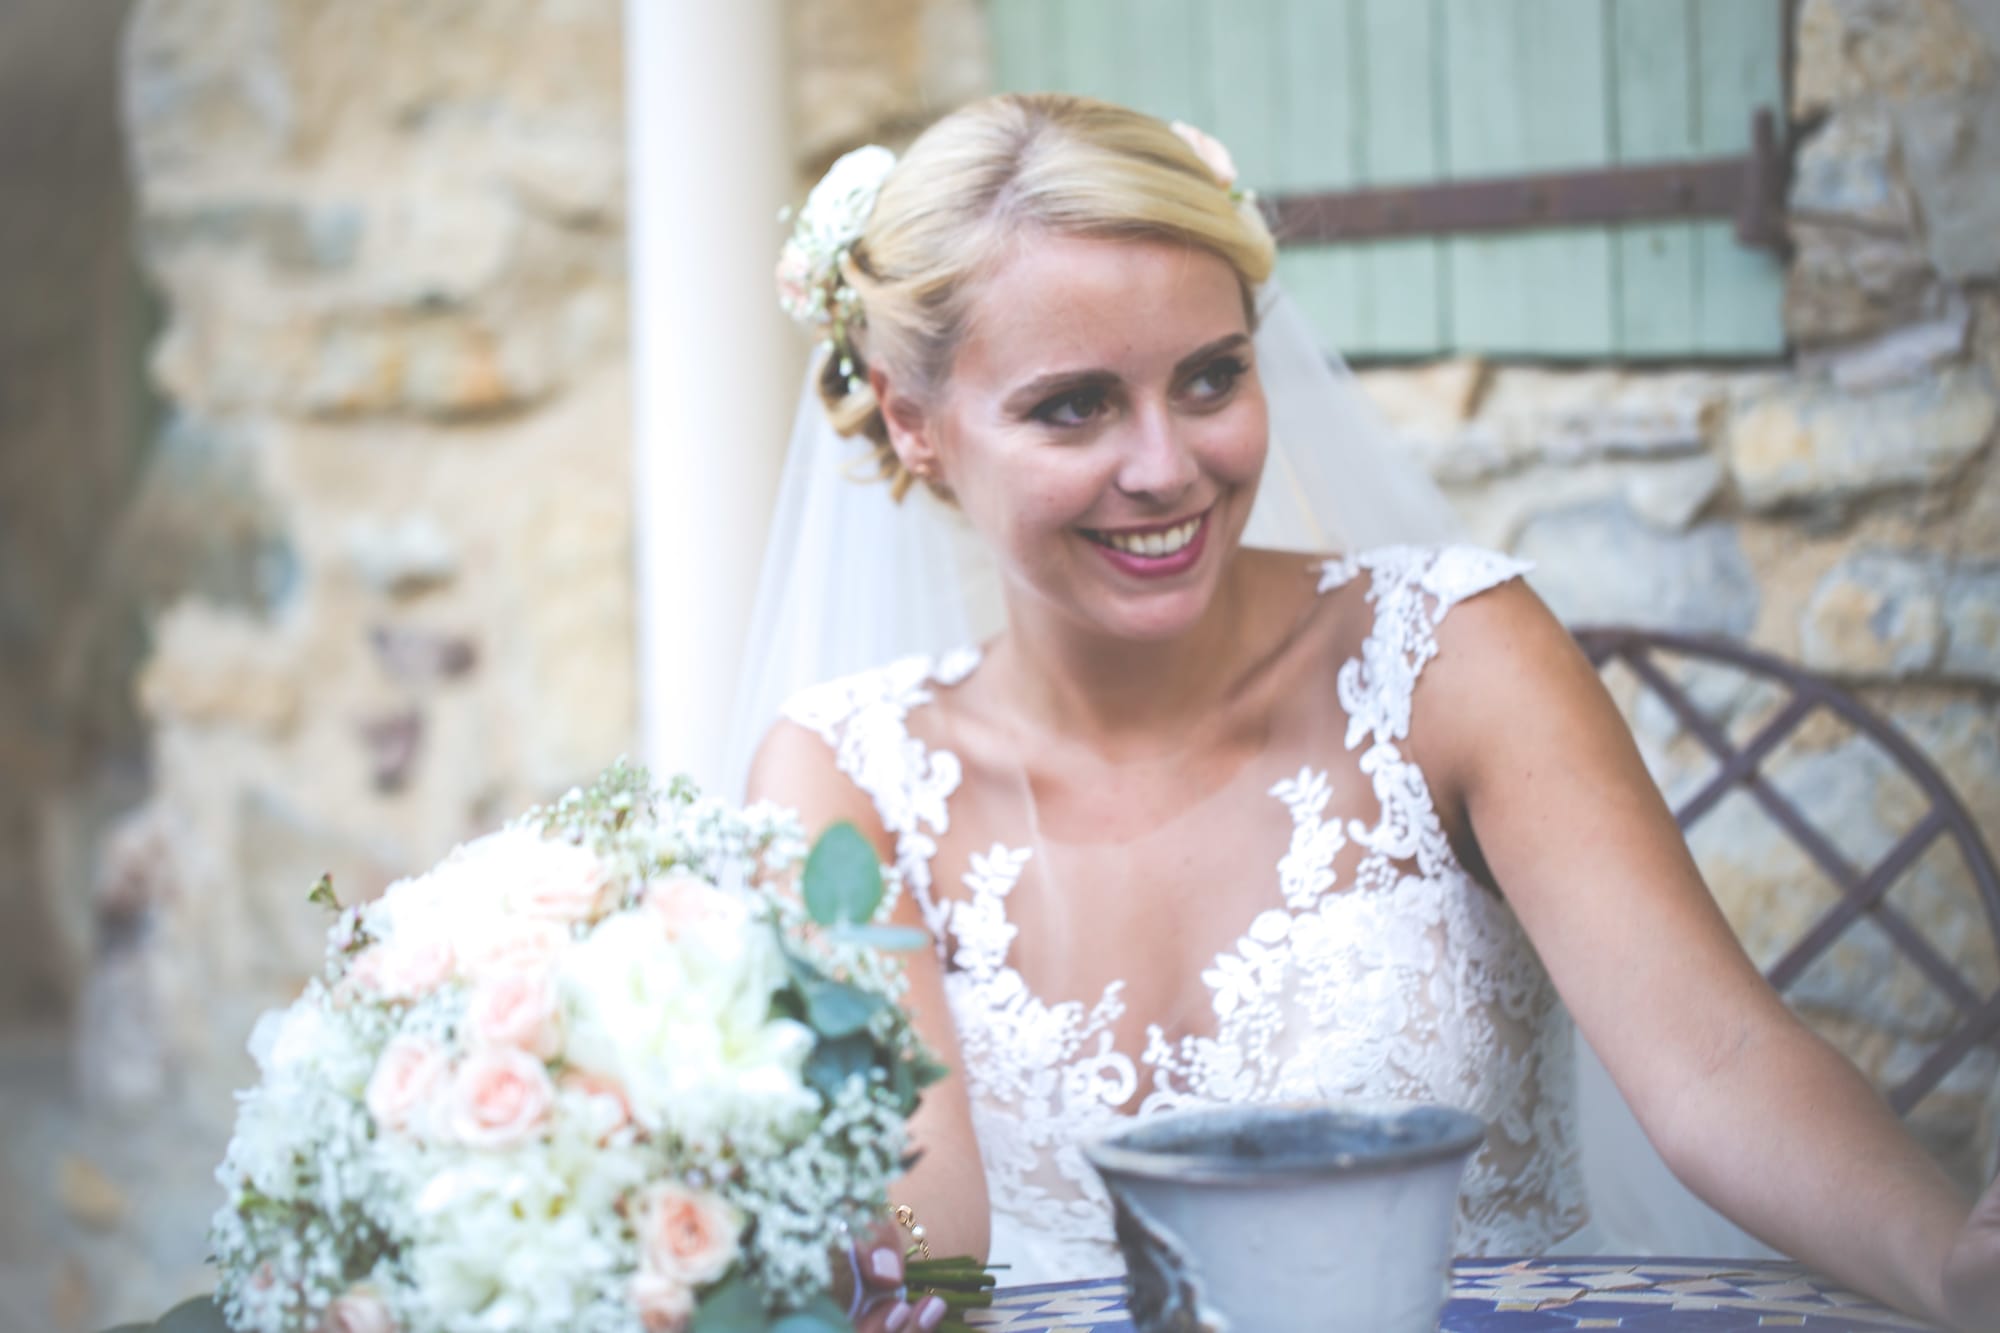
1302,930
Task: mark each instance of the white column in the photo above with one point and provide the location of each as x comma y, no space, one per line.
715,365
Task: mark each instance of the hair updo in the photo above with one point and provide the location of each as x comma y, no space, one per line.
978,178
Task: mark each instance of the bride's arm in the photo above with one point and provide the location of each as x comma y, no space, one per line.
1753,1111
947,1187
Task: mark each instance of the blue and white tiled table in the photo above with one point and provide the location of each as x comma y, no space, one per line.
1533,1295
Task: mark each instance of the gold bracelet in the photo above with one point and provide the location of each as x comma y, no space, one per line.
920,1246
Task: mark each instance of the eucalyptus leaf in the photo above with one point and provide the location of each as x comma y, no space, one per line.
836,1009
832,1063
896,939
733,1307
820,1316
843,880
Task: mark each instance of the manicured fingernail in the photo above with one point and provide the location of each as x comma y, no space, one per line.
899,1318
886,1264
930,1314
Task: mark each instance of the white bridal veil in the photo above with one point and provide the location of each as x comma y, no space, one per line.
852,580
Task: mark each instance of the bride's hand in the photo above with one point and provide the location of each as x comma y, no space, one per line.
1972,1269
881,1307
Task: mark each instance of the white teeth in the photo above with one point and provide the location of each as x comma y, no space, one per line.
1153,545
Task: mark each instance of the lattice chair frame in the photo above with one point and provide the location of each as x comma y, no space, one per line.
1863,889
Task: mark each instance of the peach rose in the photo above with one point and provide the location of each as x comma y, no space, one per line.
511,944
500,1096
359,1311
609,1108
687,1233
793,274
688,905
664,1302
403,969
1210,150
559,882
516,1009
407,1078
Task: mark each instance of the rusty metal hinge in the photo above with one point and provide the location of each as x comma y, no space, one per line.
1750,189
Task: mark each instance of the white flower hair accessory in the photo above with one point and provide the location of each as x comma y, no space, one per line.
811,288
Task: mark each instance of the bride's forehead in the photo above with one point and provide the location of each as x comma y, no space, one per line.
1050,292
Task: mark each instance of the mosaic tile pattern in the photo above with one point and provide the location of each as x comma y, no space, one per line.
1540,1296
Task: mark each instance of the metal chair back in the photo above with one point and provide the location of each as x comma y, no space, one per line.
1863,889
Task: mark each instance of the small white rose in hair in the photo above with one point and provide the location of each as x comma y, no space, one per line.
837,210
1210,150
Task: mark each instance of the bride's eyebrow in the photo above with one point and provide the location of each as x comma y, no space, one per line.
1227,343
1042,387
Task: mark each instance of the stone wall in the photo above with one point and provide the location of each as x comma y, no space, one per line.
389,242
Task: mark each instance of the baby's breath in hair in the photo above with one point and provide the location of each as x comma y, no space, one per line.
811,286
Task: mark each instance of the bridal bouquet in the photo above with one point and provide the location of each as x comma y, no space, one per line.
586,1074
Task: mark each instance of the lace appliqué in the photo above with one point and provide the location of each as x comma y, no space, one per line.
1411,981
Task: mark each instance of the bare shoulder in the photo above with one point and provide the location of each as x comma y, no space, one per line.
1508,682
795,767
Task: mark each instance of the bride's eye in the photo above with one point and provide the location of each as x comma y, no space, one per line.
1216,380
1078,407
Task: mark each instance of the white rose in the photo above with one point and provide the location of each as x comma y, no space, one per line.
837,209
688,1033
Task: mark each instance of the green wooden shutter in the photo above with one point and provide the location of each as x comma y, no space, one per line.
1333,94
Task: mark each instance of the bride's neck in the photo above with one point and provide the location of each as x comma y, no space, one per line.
1079,682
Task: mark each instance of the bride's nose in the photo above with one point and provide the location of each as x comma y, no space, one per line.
1158,464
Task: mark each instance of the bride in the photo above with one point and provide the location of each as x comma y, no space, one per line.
1209,820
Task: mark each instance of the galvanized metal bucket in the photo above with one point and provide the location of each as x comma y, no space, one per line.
1300,1218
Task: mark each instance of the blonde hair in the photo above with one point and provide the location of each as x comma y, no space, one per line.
973,182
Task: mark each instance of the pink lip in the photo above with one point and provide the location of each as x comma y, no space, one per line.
1147,567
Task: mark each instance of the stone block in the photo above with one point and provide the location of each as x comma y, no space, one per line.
1809,444
420,656
1951,151
1845,283
1672,494
1876,613
292,236
1972,618
1849,49
206,89
214,666
1468,424
1847,171
1601,564
401,555
1897,357
204,523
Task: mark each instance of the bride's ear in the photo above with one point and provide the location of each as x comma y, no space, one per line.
910,430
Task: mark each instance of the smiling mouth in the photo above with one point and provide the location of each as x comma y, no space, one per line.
1151,543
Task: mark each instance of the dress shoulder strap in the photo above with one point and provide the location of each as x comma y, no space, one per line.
864,720
1412,588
